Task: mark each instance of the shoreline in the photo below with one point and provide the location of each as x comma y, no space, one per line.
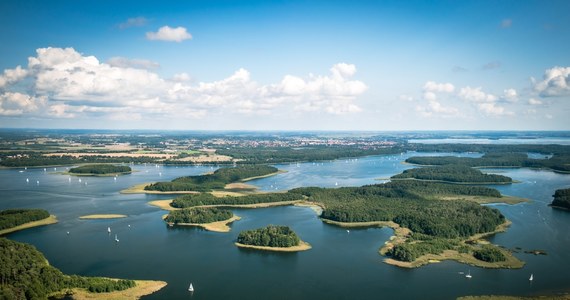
102,216
142,288
96,175
451,182
303,246
47,221
139,189
218,226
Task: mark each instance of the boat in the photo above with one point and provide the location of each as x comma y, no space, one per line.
109,229
468,275
116,238
531,277
191,288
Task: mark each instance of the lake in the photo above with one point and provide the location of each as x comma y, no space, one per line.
341,265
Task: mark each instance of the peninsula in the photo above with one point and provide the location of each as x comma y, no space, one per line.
18,219
561,199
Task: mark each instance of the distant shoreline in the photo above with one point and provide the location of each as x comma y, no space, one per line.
49,220
102,216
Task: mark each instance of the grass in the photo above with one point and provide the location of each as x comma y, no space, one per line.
303,246
102,216
142,288
49,220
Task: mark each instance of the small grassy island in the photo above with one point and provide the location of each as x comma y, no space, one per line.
17,219
459,174
272,238
102,216
212,219
26,274
214,181
561,199
100,170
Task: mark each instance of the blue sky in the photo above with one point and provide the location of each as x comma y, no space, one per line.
285,65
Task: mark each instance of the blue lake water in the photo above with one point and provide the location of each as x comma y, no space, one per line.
341,265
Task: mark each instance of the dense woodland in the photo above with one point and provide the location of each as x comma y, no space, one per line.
214,181
270,236
198,215
558,162
14,217
28,159
489,254
100,169
561,198
191,200
26,274
452,173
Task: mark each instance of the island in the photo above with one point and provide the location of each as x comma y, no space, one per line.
212,219
561,199
272,238
18,219
26,274
100,170
102,216
459,174
218,180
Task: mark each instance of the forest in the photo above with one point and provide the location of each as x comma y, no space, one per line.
191,200
558,162
28,159
198,215
454,174
15,217
270,236
26,274
100,169
561,198
214,181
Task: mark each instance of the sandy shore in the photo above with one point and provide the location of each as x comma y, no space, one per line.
142,288
49,220
303,246
139,189
102,216
163,204
220,226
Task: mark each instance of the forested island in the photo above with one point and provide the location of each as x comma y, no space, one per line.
17,219
192,200
561,199
453,174
214,181
275,238
198,215
26,274
100,170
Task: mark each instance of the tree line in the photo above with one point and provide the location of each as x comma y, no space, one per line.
214,181
26,274
198,215
452,173
270,236
15,217
191,200
100,169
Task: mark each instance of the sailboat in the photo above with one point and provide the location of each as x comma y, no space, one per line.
191,288
531,277
109,229
468,275
116,238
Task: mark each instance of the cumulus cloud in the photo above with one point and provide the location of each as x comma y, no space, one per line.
123,62
133,22
555,82
492,109
476,95
533,101
506,23
65,84
431,86
431,90
169,34
510,95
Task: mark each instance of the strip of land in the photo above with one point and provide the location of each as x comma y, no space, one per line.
142,288
220,226
165,204
303,246
49,220
139,189
102,216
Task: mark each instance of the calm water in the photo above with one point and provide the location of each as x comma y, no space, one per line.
341,265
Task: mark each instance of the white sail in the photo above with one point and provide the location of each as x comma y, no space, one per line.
109,229
191,288
468,274
531,277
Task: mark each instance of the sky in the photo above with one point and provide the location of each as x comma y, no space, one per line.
285,65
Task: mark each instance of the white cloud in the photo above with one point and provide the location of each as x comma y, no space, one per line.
476,95
556,82
12,75
70,84
510,95
431,86
133,22
123,62
492,109
506,23
169,34
533,101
